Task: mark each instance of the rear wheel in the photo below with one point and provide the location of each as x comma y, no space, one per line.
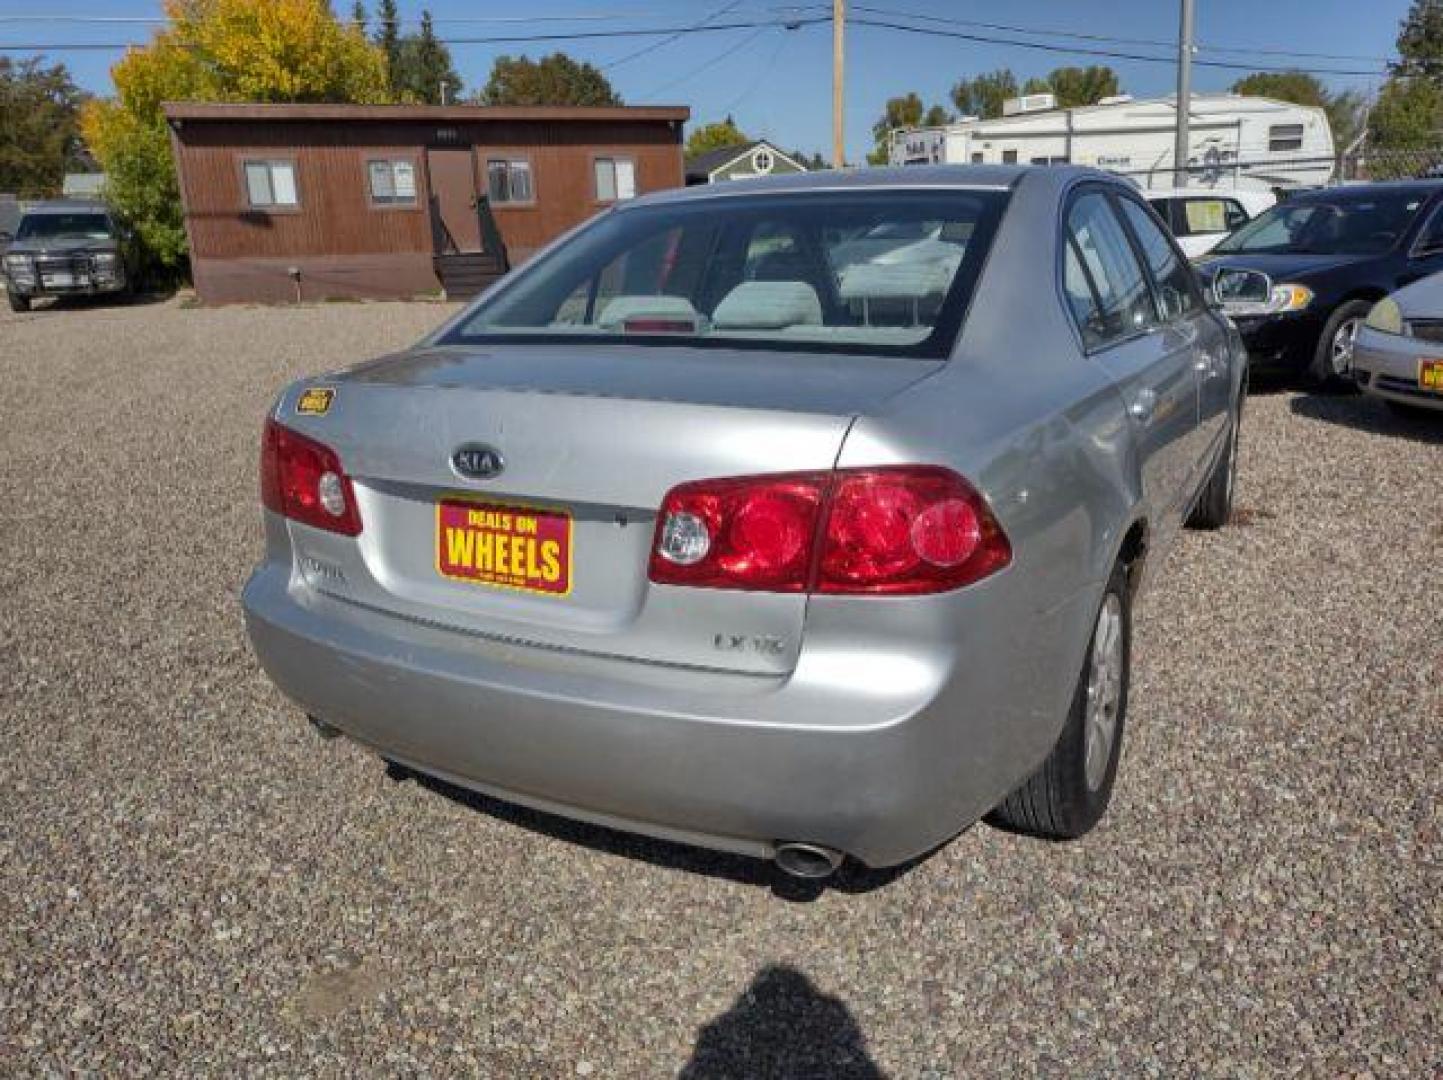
1068,793
1332,367
1214,507
17,302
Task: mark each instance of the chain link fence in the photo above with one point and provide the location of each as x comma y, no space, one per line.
1377,163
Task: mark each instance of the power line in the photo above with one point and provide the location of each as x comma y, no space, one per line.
1108,39
502,39
717,14
1113,54
713,62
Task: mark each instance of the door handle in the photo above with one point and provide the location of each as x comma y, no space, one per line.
1143,405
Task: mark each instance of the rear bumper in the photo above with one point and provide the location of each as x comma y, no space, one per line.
883,764
1386,366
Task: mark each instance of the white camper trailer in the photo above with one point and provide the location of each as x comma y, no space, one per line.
1233,141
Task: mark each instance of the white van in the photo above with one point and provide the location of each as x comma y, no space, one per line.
1201,217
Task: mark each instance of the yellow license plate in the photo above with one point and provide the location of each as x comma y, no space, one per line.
1430,375
509,547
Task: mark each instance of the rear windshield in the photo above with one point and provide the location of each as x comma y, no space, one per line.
878,272
64,227
1359,225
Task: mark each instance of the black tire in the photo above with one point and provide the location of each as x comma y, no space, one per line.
1058,801
17,302
1214,507
1324,370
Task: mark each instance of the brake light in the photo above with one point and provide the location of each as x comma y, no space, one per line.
302,479
897,530
739,534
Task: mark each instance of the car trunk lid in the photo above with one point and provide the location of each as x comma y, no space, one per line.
589,441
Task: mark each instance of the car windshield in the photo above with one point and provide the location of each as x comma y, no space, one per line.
1358,225
881,272
79,226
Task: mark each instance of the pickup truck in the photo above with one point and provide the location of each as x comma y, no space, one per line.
63,248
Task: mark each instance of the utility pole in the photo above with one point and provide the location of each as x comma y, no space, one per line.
839,142
1184,93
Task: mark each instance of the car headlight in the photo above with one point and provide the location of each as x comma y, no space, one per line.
103,258
1386,317
1284,298
17,262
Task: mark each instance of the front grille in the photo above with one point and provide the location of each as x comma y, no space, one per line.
1426,329
64,264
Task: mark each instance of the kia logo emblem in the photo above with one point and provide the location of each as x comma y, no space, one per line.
478,462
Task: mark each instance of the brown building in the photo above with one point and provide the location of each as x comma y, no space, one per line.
317,201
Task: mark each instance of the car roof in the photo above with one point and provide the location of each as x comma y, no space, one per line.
896,178
1422,188
67,206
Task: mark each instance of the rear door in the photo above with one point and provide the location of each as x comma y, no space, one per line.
1111,297
1187,326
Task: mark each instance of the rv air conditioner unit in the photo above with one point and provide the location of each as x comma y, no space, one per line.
1029,103
1115,99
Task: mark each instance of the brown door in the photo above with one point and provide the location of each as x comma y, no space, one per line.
453,187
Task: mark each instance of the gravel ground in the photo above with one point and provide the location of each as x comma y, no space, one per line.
191,882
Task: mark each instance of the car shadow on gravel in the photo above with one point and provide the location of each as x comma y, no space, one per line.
1372,416
851,878
781,1025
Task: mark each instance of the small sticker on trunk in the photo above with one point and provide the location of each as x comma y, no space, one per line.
316,401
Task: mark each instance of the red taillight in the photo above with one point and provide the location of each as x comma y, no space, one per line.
303,480
739,534
896,530
911,529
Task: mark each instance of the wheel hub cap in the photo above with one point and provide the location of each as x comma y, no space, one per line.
1104,691
1343,342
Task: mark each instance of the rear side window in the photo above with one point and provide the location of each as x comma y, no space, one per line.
883,272
1106,287
1176,289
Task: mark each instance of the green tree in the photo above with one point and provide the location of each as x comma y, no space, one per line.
1408,115
553,80
359,16
906,111
216,50
422,70
1082,86
983,96
715,136
39,126
1034,85
1420,41
388,32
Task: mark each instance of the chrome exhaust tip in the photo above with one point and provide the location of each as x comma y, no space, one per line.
812,862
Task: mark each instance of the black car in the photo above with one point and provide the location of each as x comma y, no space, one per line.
1331,254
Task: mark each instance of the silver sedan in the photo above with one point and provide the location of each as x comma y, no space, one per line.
1398,355
801,518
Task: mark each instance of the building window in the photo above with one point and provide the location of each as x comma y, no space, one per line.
508,180
1009,157
976,157
1285,137
763,161
393,182
271,184
615,179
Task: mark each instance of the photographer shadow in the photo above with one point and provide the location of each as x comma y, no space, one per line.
782,1027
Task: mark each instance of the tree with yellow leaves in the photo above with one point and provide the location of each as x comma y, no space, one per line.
226,51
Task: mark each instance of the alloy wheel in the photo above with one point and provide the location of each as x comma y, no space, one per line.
1341,352
1104,691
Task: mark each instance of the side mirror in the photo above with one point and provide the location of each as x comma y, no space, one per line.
1236,290
6,237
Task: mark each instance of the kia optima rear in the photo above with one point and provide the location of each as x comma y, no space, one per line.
800,519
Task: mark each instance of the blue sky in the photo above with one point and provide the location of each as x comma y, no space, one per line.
777,83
